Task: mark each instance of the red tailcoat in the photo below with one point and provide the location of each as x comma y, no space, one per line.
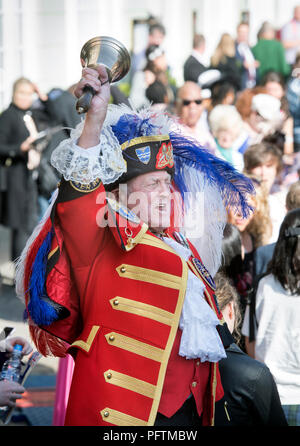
122,291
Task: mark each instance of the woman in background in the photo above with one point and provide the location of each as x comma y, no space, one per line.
277,315
255,230
264,160
275,86
224,59
19,127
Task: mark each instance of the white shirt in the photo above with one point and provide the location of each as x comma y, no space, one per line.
200,133
291,31
200,57
247,54
277,342
277,212
198,322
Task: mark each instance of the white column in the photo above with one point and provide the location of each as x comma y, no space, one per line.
31,68
51,54
9,73
177,18
72,46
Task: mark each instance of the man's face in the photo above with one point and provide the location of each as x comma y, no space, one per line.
190,104
156,37
149,197
297,13
243,33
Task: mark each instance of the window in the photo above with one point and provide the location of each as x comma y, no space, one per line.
87,17
19,35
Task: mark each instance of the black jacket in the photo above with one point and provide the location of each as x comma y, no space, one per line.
262,257
192,69
18,201
230,69
250,393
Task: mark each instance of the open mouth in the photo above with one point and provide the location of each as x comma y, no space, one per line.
162,207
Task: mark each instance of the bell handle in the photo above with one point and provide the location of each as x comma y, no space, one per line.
84,102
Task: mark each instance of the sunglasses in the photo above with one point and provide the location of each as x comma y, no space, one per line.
186,102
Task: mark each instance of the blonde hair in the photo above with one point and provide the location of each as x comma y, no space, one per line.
225,48
260,226
225,117
292,200
227,293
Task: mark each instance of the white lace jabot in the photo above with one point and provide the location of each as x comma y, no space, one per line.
103,161
200,338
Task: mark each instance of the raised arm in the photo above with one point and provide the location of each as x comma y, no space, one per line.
98,79
79,205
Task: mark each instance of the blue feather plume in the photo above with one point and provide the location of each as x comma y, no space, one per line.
131,126
41,311
233,185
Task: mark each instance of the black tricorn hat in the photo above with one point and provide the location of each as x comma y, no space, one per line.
145,154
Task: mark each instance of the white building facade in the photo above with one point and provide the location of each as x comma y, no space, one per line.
42,39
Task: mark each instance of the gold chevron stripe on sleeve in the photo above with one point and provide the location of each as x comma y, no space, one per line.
149,275
141,309
130,383
120,419
86,345
134,346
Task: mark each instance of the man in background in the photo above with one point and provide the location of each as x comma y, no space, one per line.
191,112
290,36
245,55
195,63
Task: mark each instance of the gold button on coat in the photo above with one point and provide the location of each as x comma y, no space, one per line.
194,384
111,338
123,269
109,375
106,414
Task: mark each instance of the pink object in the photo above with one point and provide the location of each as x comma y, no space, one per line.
63,383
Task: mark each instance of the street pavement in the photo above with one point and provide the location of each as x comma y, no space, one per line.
36,406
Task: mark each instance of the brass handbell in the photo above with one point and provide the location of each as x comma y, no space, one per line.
105,51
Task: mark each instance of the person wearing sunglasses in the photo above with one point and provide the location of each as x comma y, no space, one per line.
190,109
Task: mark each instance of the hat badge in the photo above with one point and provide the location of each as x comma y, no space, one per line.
143,154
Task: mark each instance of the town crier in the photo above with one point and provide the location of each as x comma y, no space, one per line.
119,273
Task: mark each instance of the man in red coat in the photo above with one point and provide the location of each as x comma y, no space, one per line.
108,275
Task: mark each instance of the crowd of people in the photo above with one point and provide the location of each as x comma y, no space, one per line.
243,108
